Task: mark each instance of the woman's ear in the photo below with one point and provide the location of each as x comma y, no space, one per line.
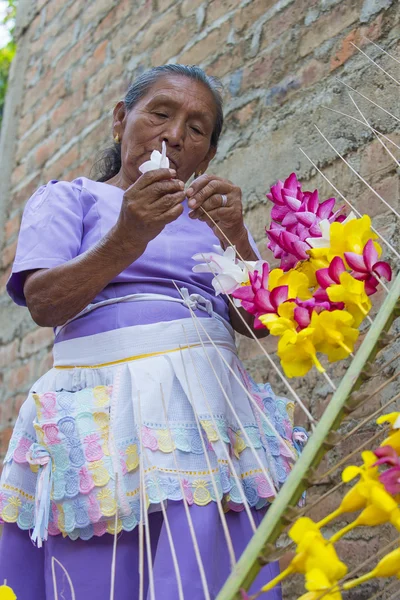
206,160
119,114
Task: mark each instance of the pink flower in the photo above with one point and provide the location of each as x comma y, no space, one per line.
391,477
296,217
331,275
365,266
256,299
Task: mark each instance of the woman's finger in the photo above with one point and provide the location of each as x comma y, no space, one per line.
151,177
213,202
212,189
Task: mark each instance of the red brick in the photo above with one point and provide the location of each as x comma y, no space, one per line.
20,378
36,340
207,47
55,94
85,169
82,73
58,169
6,412
5,436
134,22
31,138
312,72
45,150
174,43
328,26
19,199
247,15
67,107
60,43
228,62
25,123
116,18
12,226
188,7
218,9
100,80
18,173
8,353
8,254
45,364
356,36
158,29
96,138
97,10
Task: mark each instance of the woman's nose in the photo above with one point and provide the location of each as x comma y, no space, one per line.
174,133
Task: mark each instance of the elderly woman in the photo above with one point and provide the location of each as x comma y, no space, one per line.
147,422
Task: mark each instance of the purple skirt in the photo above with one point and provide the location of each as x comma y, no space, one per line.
88,563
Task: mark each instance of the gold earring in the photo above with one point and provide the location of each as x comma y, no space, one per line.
198,174
117,139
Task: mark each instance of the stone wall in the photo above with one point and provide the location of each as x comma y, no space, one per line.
283,64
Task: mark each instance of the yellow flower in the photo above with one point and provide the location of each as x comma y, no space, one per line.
352,293
347,237
6,593
393,438
297,282
318,585
334,334
389,566
298,353
279,323
315,557
380,505
310,267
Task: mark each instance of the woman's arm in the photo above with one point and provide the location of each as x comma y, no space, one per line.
55,295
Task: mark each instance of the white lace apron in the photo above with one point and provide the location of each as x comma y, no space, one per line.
142,415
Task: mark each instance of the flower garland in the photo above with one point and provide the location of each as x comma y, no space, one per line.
377,495
318,298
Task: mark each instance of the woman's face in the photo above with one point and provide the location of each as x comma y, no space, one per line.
175,109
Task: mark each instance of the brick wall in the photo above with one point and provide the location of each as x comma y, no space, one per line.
282,63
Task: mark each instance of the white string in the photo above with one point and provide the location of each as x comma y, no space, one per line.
376,135
343,114
224,446
144,507
53,573
187,511
382,49
168,529
353,208
375,63
141,548
214,484
369,99
114,552
249,443
356,173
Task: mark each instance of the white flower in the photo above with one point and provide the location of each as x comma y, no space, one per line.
325,227
229,273
158,160
396,424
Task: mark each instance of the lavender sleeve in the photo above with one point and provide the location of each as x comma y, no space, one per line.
50,234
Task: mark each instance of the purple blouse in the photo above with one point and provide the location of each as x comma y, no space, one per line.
63,219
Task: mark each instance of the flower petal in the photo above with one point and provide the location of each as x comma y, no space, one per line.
383,269
325,208
356,262
302,316
370,254
323,278
279,295
336,268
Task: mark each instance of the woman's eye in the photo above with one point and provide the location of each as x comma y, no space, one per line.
196,130
162,115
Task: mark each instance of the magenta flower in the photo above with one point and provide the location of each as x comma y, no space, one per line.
305,309
295,217
366,266
256,299
331,275
391,477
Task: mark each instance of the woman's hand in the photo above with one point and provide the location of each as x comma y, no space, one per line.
154,200
207,193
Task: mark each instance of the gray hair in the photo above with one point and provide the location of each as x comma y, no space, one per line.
110,162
